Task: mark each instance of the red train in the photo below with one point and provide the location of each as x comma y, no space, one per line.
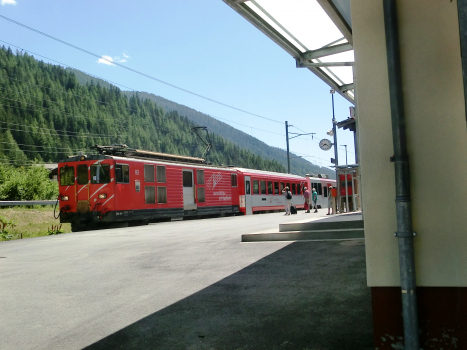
125,185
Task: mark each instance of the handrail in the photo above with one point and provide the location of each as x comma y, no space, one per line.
20,203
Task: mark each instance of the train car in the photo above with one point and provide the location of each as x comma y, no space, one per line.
261,191
322,188
100,189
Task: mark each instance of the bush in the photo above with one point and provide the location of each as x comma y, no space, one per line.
26,183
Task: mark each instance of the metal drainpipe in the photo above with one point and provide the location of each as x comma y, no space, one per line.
404,232
287,139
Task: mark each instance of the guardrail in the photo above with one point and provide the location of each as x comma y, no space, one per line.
19,203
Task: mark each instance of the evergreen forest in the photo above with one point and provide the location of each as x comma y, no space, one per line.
46,114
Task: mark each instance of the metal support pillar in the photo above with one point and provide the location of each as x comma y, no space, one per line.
336,153
287,138
404,232
354,206
346,192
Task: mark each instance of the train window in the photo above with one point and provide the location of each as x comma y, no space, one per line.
82,171
160,172
263,186
270,187
161,194
315,186
325,190
247,187
67,175
281,188
187,179
137,185
100,173
233,180
200,177
148,173
149,194
298,189
319,189
294,189
122,173
201,196
276,187
255,187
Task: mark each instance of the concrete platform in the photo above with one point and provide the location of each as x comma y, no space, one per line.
317,226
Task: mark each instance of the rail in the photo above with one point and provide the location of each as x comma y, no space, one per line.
20,203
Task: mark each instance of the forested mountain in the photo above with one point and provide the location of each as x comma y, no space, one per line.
46,114
299,166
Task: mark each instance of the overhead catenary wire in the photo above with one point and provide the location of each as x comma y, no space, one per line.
189,123
58,134
22,150
317,142
102,102
136,71
24,145
105,103
32,104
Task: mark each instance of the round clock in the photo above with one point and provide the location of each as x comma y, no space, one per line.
325,144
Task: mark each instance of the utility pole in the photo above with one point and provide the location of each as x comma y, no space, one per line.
287,138
334,122
345,153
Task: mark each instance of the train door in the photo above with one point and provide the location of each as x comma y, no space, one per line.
188,190
248,207
82,188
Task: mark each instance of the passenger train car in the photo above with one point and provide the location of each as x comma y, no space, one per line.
141,187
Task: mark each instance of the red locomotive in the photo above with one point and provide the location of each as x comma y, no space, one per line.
127,185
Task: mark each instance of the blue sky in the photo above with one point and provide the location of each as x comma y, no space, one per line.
199,45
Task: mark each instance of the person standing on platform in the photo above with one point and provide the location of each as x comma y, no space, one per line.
288,200
330,201
314,198
306,194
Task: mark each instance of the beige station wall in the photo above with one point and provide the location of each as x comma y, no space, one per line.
436,135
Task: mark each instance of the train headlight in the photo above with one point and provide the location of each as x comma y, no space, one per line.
102,196
65,198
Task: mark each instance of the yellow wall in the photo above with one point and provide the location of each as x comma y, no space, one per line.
436,135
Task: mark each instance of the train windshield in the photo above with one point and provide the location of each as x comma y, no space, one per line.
67,176
100,173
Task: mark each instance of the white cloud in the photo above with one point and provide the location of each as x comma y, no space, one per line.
106,60
8,2
109,60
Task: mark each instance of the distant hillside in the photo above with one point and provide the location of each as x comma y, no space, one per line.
49,115
298,166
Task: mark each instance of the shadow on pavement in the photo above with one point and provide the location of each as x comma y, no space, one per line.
308,295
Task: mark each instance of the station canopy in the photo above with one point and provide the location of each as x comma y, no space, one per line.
317,33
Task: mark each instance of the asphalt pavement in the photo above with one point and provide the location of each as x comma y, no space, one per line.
184,285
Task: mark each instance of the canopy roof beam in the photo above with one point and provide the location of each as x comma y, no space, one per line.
326,51
304,64
347,87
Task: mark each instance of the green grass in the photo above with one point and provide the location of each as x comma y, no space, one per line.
33,222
